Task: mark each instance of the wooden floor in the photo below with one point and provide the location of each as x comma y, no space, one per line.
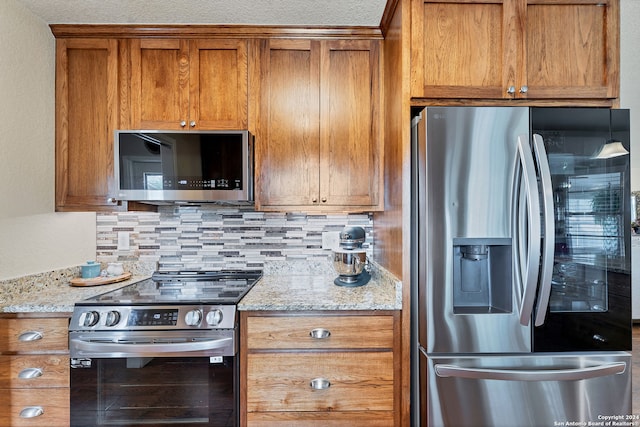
636,370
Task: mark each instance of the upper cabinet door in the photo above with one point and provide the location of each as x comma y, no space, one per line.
218,84
159,84
515,49
349,131
287,127
86,117
180,84
463,49
318,143
572,49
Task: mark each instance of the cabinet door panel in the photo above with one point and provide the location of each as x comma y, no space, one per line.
34,335
218,84
159,83
358,381
349,172
287,135
54,403
53,371
86,117
460,50
286,332
567,47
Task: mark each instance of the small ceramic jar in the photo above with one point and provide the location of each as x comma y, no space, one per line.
115,269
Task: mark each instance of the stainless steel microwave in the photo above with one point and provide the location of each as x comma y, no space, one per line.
176,166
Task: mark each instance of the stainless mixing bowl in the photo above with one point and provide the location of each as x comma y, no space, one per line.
349,263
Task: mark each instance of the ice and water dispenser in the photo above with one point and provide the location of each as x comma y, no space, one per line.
482,275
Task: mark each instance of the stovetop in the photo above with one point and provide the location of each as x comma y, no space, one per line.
182,287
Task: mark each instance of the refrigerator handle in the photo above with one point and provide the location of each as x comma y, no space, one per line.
604,370
531,229
546,268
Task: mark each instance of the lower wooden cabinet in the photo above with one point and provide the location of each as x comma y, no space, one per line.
320,369
34,370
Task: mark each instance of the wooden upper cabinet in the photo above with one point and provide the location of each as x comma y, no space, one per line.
188,84
86,118
515,49
316,106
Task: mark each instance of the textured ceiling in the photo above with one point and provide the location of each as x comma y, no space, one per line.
251,12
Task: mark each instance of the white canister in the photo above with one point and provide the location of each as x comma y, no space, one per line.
115,269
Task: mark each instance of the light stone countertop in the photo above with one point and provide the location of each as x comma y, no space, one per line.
282,288
50,292
285,285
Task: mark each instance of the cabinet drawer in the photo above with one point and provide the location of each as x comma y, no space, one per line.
34,335
357,381
321,419
295,332
54,403
34,371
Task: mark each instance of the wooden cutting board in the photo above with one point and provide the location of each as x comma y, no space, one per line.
97,281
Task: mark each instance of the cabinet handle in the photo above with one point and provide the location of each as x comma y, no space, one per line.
192,123
30,336
29,373
524,89
320,384
183,124
31,412
511,90
320,333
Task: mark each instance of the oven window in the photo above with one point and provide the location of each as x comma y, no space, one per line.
155,391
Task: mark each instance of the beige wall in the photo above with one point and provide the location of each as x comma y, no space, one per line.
629,78
33,238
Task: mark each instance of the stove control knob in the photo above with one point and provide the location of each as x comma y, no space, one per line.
113,317
214,317
193,317
90,318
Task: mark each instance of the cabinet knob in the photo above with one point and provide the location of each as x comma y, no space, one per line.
31,412
320,333
314,200
29,373
112,200
183,123
320,384
192,123
30,336
324,200
524,89
511,90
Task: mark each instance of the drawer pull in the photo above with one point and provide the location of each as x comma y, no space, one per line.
32,412
30,373
30,336
320,384
320,333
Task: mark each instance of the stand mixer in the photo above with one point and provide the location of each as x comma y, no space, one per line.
350,259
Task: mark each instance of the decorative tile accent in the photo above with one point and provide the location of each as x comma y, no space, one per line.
220,237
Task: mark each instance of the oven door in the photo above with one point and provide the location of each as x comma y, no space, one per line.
137,391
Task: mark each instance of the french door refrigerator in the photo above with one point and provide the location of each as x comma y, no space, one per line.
521,280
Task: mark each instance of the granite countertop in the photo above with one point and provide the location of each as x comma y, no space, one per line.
52,297
287,289
284,286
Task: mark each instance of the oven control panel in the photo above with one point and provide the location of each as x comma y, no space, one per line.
153,317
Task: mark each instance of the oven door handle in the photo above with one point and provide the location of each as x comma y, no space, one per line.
157,348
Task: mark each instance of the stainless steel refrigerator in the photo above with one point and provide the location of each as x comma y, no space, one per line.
521,266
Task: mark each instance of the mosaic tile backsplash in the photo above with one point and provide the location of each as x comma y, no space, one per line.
214,237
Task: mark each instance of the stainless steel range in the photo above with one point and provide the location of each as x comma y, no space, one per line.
159,351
